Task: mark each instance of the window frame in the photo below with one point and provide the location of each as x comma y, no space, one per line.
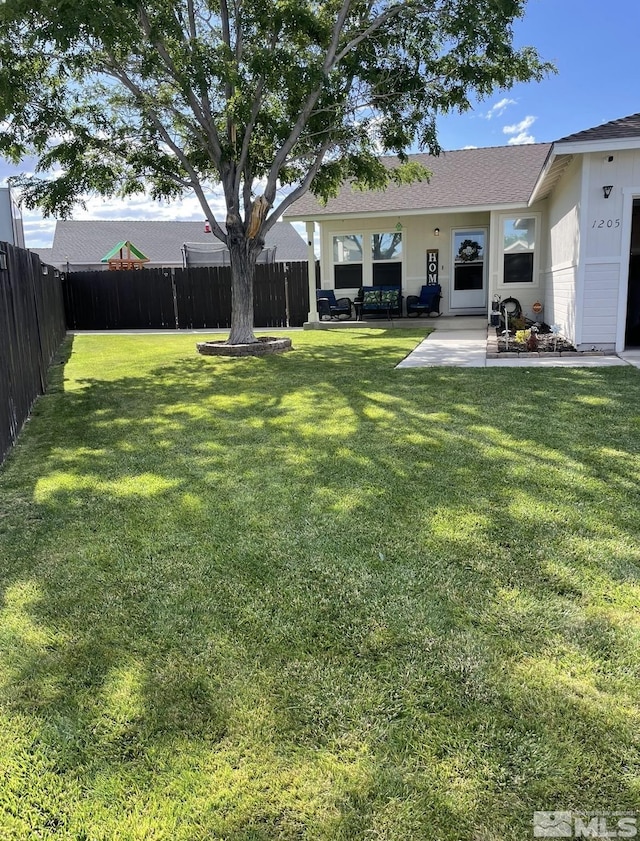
348,263
368,262
534,283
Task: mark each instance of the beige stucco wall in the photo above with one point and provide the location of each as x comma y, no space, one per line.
418,238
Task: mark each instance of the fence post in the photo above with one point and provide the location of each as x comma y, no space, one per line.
286,295
175,298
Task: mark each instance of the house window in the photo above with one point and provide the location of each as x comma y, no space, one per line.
386,259
367,260
519,246
347,261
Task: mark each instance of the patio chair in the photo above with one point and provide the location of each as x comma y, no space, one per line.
337,307
427,302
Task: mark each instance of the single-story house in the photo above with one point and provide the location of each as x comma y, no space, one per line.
81,245
554,225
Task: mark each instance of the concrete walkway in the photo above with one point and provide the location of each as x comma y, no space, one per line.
467,348
461,348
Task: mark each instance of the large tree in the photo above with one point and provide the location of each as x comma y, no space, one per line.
118,96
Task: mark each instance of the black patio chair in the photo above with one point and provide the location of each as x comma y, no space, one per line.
338,307
427,302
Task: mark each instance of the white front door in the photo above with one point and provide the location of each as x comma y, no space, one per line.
469,286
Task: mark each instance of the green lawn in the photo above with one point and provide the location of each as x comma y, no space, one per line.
312,597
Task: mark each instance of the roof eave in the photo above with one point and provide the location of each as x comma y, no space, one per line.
423,211
578,147
538,186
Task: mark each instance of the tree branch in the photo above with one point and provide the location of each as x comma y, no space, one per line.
330,61
204,120
373,26
193,32
300,190
194,179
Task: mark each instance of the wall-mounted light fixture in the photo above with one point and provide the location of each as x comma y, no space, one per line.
45,269
436,232
3,261
607,190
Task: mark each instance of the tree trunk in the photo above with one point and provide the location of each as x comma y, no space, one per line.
243,253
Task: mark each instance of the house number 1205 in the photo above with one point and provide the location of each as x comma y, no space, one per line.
606,223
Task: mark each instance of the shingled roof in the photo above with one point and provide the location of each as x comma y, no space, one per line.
499,175
87,241
625,127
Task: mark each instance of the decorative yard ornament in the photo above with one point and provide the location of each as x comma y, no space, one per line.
495,311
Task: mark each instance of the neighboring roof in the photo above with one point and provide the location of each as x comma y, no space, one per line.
45,254
499,175
87,241
625,127
120,247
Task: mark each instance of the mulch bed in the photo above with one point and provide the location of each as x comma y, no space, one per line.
547,343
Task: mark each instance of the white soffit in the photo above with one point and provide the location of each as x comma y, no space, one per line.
549,177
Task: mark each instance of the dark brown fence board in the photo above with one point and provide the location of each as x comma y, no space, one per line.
298,292
124,300
203,297
32,326
145,299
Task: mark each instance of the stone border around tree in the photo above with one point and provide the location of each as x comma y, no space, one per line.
263,346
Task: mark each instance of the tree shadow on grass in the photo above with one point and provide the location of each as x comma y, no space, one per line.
314,597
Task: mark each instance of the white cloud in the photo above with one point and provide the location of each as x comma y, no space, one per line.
469,147
519,132
499,108
521,126
521,139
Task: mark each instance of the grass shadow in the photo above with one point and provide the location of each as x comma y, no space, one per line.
311,596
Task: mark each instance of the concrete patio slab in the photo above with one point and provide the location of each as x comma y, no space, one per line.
444,322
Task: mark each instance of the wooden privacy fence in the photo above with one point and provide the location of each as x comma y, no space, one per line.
194,298
32,326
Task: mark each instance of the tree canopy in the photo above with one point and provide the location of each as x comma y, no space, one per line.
120,96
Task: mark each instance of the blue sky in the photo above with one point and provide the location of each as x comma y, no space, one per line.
593,44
